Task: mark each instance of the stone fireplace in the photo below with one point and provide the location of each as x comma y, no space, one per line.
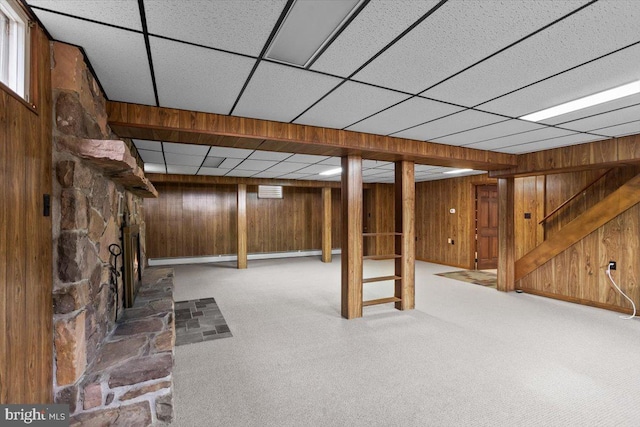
102,351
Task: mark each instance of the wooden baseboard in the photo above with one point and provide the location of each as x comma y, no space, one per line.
576,300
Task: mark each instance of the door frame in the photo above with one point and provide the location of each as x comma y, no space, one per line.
473,190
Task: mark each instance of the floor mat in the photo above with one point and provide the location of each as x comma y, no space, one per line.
199,320
478,277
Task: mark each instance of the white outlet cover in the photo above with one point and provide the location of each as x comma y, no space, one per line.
452,210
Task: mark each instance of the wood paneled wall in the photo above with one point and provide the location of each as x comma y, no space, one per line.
434,223
578,273
26,312
200,220
378,200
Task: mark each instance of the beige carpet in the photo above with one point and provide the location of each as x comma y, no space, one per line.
466,356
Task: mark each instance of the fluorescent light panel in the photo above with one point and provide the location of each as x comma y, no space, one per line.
458,171
335,171
587,101
308,26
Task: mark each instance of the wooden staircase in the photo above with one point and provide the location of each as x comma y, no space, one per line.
604,211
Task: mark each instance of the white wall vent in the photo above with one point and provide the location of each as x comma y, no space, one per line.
269,192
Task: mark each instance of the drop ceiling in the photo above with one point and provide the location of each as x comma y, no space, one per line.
457,72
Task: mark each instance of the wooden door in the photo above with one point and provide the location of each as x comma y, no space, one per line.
487,226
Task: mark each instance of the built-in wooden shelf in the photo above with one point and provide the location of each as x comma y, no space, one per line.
378,257
380,301
380,279
381,234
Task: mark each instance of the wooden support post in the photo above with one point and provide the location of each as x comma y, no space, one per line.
405,205
242,226
506,237
351,195
326,224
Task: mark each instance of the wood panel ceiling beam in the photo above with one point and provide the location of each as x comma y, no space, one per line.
172,125
594,155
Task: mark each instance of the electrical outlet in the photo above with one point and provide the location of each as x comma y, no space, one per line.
612,265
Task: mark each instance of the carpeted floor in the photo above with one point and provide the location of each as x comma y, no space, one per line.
466,356
477,277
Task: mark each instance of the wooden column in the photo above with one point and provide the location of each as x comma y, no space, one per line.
242,225
506,238
405,214
351,195
326,224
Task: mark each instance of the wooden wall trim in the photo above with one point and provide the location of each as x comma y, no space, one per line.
166,124
594,155
602,212
351,257
241,222
506,234
230,180
326,224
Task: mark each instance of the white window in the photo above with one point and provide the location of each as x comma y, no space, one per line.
14,47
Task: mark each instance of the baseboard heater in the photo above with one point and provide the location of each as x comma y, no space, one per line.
224,258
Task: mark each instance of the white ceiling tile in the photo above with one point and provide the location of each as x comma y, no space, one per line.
230,163
606,73
508,127
240,25
521,138
269,155
235,153
212,171
594,31
404,115
438,48
306,158
193,78
627,101
592,123
464,120
378,23
267,174
366,164
256,165
287,167
423,168
370,172
332,161
155,168
576,138
294,176
280,93
240,173
182,170
151,156
143,144
314,169
119,57
123,13
213,162
183,160
311,178
189,149
348,104
629,128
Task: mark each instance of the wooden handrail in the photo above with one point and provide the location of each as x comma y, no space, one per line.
566,202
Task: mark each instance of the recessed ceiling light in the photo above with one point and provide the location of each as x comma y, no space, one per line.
308,26
335,171
458,171
587,101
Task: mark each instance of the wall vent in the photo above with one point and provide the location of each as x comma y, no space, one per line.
269,192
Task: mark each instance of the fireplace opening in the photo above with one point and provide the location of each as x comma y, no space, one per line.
131,268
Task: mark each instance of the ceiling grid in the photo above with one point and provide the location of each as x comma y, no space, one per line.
484,64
